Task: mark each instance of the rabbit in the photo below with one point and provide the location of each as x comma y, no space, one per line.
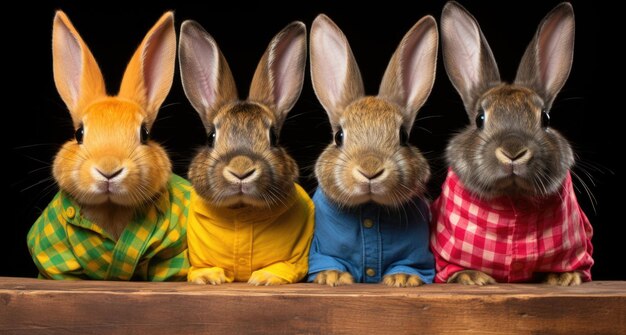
371,221
249,220
508,212
120,213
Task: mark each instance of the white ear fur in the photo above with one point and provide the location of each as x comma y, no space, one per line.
150,72
335,74
467,57
279,76
410,74
548,58
206,77
76,73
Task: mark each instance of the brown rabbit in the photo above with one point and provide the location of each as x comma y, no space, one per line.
120,214
251,221
371,223
508,212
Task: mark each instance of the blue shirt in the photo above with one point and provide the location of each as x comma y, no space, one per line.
371,241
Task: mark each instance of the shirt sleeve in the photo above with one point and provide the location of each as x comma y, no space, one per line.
423,268
173,268
319,262
416,257
445,269
50,249
198,242
328,234
296,268
172,262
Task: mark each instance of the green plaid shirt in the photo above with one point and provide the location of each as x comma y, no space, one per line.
153,246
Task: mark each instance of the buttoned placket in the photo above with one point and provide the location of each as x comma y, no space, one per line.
370,232
243,238
520,262
115,269
533,231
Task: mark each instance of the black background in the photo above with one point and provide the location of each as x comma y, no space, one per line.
37,122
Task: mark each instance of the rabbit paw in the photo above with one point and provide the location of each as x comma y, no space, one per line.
263,278
563,278
471,277
402,280
213,276
334,278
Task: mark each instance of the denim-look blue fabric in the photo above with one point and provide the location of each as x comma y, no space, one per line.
371,241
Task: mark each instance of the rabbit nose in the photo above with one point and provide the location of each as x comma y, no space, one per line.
110,175
108,167
370,167
520,156
371,174
240,168
242,175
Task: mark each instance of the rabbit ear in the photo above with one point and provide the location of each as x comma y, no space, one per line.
411,72
206,77
279,76
548,58
335,74
149,74
76,73
467,57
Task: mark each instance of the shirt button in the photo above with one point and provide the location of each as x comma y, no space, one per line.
368,223
70,212
517,266
370,272
243,261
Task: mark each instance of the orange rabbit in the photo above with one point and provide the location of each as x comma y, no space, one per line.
120,213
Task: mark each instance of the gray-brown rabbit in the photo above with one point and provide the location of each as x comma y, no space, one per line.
249,220
508,212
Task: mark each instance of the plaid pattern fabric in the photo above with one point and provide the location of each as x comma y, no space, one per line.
153,246
509,240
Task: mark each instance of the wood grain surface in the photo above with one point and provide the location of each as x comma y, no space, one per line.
31,306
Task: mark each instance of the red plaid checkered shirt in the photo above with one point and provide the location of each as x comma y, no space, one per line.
509,239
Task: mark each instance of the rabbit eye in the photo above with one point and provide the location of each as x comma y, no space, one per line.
273,137
211,139
80,132
545,119
480,119
404,137
339,137
144,134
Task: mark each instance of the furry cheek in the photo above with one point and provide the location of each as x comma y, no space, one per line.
152,168
346,180
205,173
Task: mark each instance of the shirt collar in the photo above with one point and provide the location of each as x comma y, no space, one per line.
506,203
248,213
162,202
321,198
71,210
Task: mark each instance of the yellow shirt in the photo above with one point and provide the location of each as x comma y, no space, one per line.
241,241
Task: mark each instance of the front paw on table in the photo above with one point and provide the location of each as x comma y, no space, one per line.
402,280
213,276
263,278
334,278
471,277
564,279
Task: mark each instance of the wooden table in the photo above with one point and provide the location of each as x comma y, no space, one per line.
31,306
